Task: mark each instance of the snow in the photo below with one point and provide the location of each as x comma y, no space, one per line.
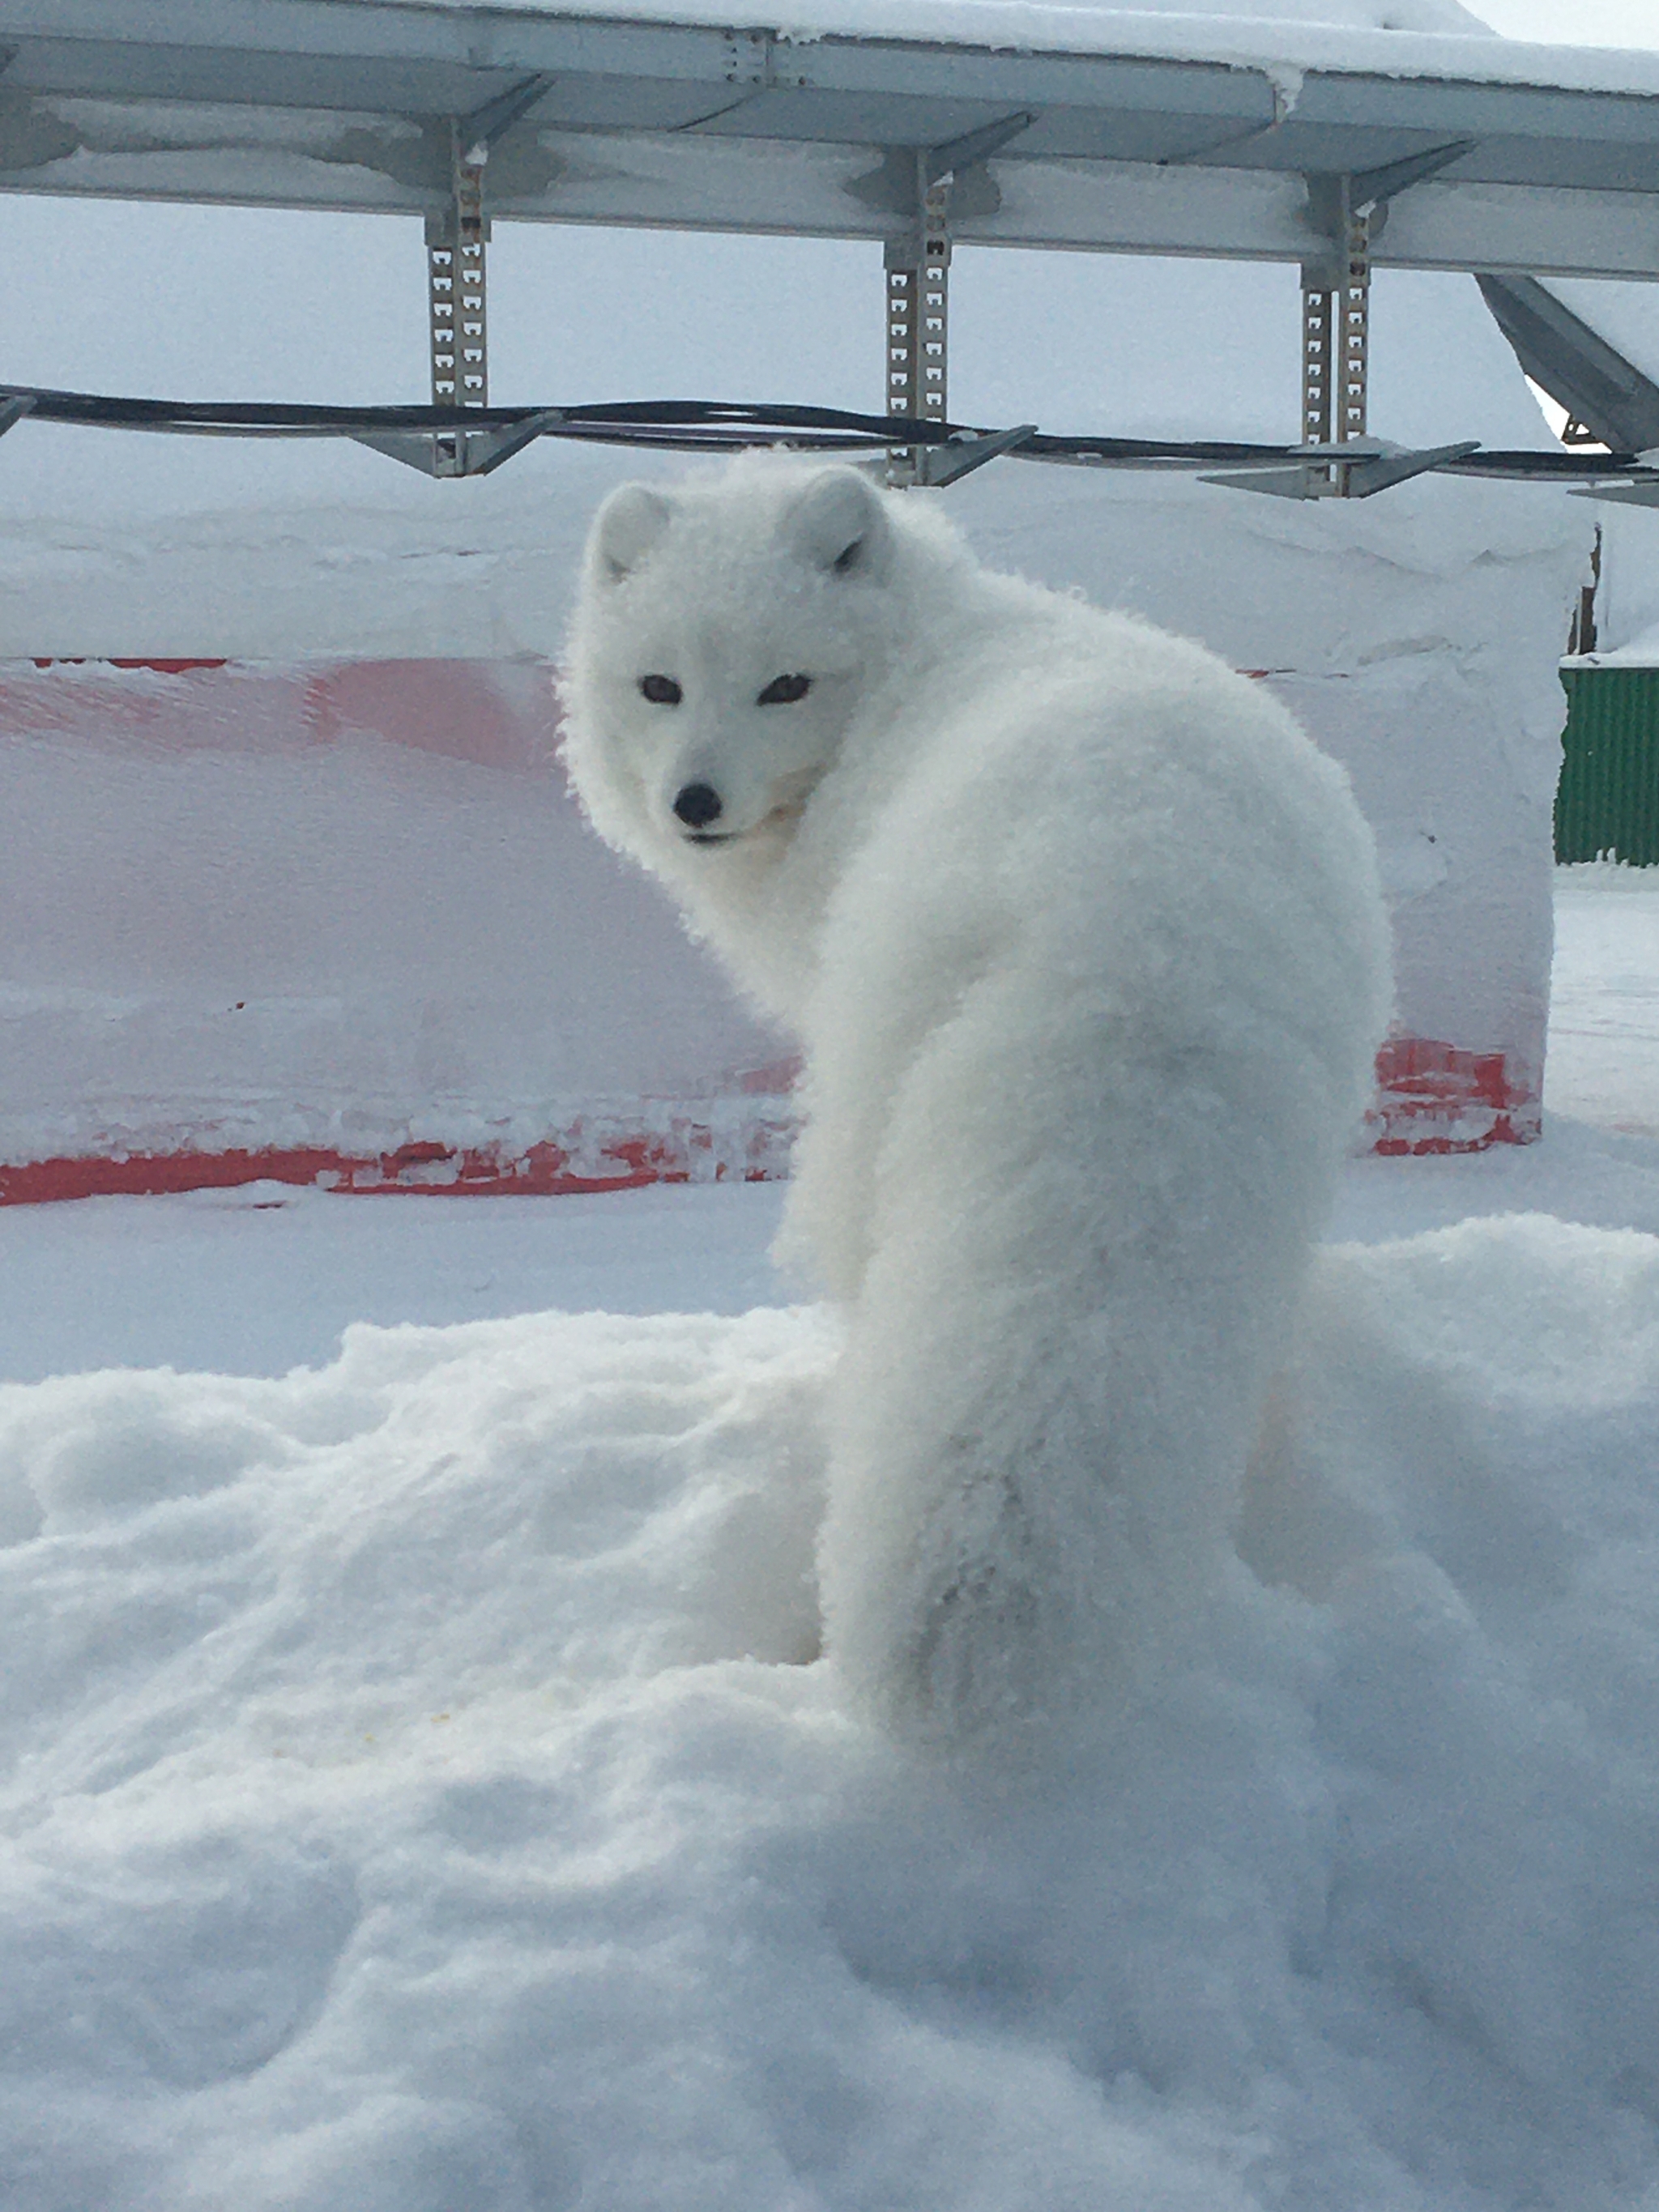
1439,15
1282,39
423,1795
346,908
1626,316
1641,652
1386,38
127,545
1604,1013
235,918
265,1277
1627,593
1627,596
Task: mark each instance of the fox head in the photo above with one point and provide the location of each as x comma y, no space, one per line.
726,636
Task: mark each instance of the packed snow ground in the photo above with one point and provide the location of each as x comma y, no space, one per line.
421,1804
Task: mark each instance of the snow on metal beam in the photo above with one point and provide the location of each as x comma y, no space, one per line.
349,103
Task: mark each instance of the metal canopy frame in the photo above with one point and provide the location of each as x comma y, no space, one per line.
462,113
352,104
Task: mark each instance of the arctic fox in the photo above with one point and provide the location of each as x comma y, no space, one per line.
1083,942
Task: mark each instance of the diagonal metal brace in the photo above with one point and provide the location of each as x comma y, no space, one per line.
13,411
492,452
959,154
1372,189
1377,469
1576,365
909,172
1385,469
477,132
1334,200
937,466
479,451
1637,492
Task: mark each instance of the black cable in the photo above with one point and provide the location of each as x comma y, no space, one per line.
703,425
260,418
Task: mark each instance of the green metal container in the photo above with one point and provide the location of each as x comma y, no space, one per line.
1607,799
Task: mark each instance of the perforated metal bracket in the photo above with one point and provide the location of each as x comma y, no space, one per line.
1336,308
457,308
925,184
917,269
906,171
1348,213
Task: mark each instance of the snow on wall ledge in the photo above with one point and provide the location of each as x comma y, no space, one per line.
341,922
1431,1099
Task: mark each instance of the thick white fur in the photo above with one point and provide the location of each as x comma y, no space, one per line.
1084,944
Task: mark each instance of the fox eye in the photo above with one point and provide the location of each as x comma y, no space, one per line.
784,690
661,691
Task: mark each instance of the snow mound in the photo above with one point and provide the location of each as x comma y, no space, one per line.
420,1799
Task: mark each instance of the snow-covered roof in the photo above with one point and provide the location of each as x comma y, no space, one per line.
1146,130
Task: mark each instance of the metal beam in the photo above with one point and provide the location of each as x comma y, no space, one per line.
349,103
1114,207
1601,390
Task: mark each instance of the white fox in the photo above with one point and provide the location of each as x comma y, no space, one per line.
1083,942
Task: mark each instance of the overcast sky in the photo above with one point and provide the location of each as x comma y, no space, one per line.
1574,22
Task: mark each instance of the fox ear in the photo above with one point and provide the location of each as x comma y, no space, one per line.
626,528
840,522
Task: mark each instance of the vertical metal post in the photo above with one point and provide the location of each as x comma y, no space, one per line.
918,267
457,302
1315,365
1355,312
1336,295
441,307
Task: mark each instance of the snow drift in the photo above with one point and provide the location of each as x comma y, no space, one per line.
419,1798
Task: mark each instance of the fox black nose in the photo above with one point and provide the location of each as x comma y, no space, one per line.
698,804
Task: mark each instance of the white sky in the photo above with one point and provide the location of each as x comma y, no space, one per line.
1574,22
